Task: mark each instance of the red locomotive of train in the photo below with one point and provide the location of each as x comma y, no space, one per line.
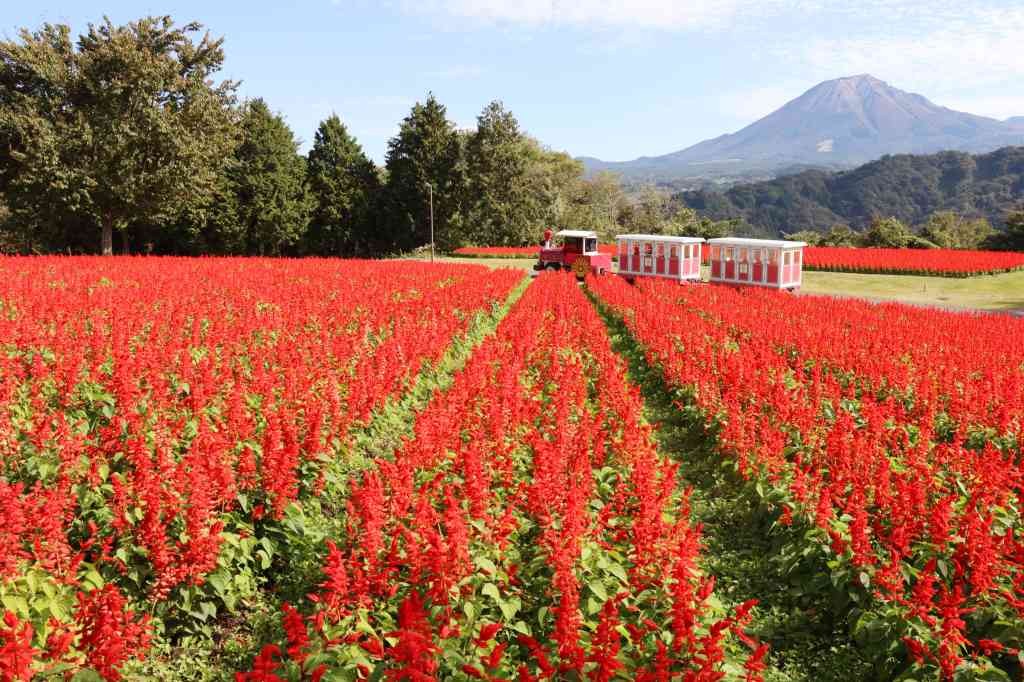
578,252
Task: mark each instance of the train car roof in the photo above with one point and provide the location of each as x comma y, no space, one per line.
743,241
661,238
577,233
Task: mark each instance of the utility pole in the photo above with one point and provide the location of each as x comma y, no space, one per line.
430,188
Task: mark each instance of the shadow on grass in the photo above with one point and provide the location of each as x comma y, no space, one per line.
741,541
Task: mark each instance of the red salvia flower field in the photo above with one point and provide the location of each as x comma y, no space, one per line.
527,521
892,433
155,411
410,471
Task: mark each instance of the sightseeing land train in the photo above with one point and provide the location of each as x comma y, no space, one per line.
750,262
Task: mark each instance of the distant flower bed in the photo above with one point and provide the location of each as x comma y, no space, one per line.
515,251
936,262
941,262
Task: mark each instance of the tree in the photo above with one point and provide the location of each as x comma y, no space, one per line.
950,230
9,238
595,204
1013,238
647,213
553,182
209,226
125,127
269,179
499,206
887,233
707,228
840,235
426,151
810,237
344,186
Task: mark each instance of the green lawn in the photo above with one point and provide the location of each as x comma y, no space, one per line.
985,292
524,263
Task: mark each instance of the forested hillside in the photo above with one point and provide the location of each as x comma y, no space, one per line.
907,187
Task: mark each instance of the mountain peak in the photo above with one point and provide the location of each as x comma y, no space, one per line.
840,122
858,78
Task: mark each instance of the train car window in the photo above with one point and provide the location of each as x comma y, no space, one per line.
773,257
716,253
787,258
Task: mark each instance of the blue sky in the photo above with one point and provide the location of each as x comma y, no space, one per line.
614,79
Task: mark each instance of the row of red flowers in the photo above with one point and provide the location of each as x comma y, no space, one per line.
894,433
527,530
156,414
942,262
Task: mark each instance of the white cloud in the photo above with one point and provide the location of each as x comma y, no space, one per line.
648,14
934,40
943,53
682,15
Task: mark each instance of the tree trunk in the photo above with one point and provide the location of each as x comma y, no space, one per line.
124,240
107,238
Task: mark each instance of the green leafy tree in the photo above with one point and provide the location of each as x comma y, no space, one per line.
553,182
810,237
950,230
887,233
840,235
597,204
123,127
1013,238
344,185
426,153
269,179
500,206
10,240
713,229
210,226
647,213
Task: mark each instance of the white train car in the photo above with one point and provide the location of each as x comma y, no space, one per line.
757,262
652,255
